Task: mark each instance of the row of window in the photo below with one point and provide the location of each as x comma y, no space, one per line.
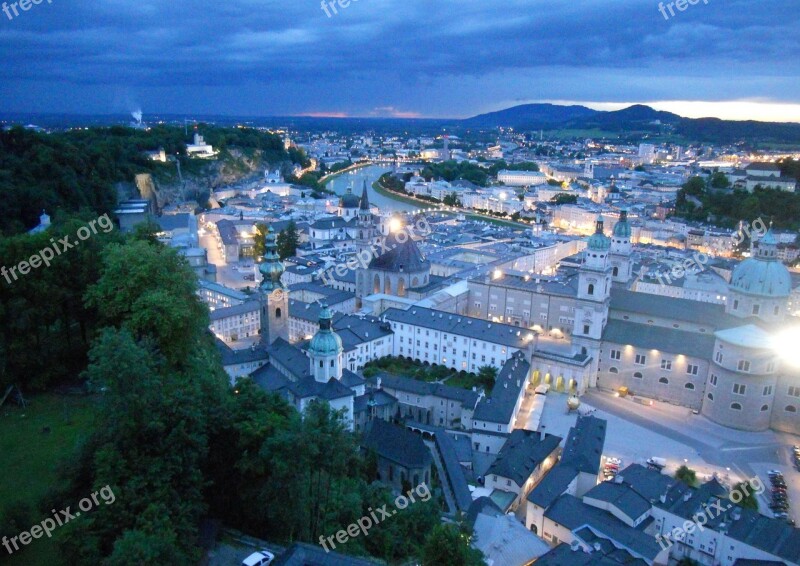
738,406
756,308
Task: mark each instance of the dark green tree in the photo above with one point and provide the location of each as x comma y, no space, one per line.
288,240
686,475
449,545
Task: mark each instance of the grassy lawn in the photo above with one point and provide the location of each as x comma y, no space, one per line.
32,458
405,368
467,381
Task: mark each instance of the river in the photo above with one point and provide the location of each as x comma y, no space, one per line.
370,174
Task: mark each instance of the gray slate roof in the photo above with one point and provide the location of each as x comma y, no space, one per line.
398,444
522,453
499,408
622,496
648,337
302,554
475,328
552,486
584,446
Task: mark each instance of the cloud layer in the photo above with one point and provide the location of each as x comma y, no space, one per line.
391,57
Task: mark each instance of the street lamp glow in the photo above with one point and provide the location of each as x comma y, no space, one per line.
395,225
786,345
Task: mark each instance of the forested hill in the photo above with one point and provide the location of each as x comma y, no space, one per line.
77,170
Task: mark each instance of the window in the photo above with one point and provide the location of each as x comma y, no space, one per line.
718,358
591,289
638,375
692,369
641,359
770,367
586,329
756,309
736,407
764,408
743,365
663,380
739,389
767,390
736,305
710,397
666,365
615,354
791,409
613,370
794,391
713,380
689,386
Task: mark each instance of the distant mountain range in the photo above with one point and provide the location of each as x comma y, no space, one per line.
637,118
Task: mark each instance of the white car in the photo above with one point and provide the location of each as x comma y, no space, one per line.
260,558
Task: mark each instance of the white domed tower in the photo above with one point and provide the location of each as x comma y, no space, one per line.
621,248
594,296
326,350
761,285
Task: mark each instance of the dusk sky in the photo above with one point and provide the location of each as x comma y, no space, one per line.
427,58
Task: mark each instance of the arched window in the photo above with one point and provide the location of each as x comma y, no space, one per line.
376,288
689,386
616,271
765,407
333,364
736,406
387,286
791,409
663,380
591,289
638,375
415,282
710,397
278,313
401,288
613,370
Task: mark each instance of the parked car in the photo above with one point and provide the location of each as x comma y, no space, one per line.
260,558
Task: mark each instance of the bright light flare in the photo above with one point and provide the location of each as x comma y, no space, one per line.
787,345
395,225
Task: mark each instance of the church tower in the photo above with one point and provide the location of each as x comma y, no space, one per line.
367,233
325,350
621,248
274,296
594,297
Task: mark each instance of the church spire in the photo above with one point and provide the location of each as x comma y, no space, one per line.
365,198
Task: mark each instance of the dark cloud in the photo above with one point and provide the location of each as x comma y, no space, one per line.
429,57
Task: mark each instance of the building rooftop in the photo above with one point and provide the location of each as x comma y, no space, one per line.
649,337
523,452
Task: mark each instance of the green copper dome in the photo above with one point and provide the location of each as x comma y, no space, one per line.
598,241
349,200
763,274
622,229
325,342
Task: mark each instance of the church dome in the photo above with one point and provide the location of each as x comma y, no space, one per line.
403,256
622,229
325,342
763,274
349,200
598,241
